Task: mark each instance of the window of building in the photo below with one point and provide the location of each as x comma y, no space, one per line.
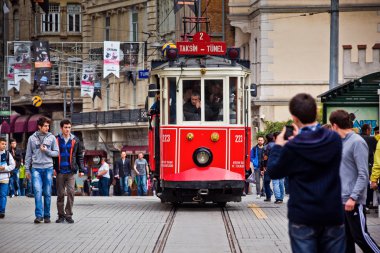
51,21
16,25
74,71
134,21
107,29
73,18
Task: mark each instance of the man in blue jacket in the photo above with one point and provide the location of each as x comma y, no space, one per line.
256,157
311,160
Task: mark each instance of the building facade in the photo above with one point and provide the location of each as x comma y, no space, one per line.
288,45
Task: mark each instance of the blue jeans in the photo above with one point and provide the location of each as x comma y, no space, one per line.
267,189
141,185
104,186
124,185
13,183
21,186
42,180
3,197
278,188
315,239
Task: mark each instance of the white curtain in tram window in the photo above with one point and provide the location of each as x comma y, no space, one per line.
111,58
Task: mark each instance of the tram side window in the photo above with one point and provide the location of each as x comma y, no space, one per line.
214,100
191,100
172,100
233,100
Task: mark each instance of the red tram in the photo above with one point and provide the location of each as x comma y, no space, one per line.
199,133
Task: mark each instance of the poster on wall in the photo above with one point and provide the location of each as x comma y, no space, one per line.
87,81
111,58
359,115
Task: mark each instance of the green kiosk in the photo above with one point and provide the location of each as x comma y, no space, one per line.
358,97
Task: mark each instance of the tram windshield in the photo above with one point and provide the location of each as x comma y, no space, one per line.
203,100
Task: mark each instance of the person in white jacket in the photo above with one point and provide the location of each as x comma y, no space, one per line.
7,164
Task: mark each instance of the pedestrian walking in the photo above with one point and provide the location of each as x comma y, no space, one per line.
354,177
142,172
256,156
22,179
14,185
263,168
68,163
123,171
311,159
104,178
7,164
278,184
41,148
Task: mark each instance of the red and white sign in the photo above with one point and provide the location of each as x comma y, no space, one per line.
201,45
111,58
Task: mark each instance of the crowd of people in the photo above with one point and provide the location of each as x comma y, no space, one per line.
328,170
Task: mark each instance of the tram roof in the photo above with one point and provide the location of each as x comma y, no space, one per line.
201,62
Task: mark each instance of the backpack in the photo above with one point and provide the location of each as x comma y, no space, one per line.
7,161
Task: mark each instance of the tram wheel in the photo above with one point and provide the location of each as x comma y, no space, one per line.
222,204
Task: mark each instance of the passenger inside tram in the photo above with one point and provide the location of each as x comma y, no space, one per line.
192,108
214,100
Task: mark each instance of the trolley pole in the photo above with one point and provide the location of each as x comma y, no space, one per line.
334,44
4,41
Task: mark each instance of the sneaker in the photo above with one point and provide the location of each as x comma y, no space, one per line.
278,202
267,200
47,220
38,220
60,220
12,196
2,215
258,196
69,220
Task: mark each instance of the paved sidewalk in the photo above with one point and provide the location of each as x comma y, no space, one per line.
133,224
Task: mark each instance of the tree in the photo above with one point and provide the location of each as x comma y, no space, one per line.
272,127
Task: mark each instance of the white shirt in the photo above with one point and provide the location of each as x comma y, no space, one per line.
106,167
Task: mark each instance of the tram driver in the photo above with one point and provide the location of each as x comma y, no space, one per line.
192,108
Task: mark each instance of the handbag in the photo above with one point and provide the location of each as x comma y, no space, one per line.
251,179
130,181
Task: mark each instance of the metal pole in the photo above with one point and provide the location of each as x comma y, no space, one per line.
72,99
108,94
334,44
64,102
223,19
5,36
199,15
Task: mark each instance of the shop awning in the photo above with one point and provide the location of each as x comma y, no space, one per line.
135,149
9,128
21,124
32,123
95,153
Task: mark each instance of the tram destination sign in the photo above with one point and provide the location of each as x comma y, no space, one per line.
201,45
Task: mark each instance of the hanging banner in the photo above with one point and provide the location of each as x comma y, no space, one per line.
87,82
22,74
11,73
97,90
111,58
41,54
22,55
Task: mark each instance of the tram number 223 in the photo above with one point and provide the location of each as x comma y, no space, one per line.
238,138
166,138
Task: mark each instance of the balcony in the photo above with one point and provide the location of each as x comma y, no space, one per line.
110,117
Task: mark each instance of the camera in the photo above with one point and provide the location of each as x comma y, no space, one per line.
288,132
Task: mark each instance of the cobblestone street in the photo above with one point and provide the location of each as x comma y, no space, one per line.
133,224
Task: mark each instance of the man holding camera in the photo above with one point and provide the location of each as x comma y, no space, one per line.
311,159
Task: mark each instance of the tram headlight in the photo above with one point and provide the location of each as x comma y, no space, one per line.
202,157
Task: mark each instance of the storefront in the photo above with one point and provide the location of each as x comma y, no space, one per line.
359,97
